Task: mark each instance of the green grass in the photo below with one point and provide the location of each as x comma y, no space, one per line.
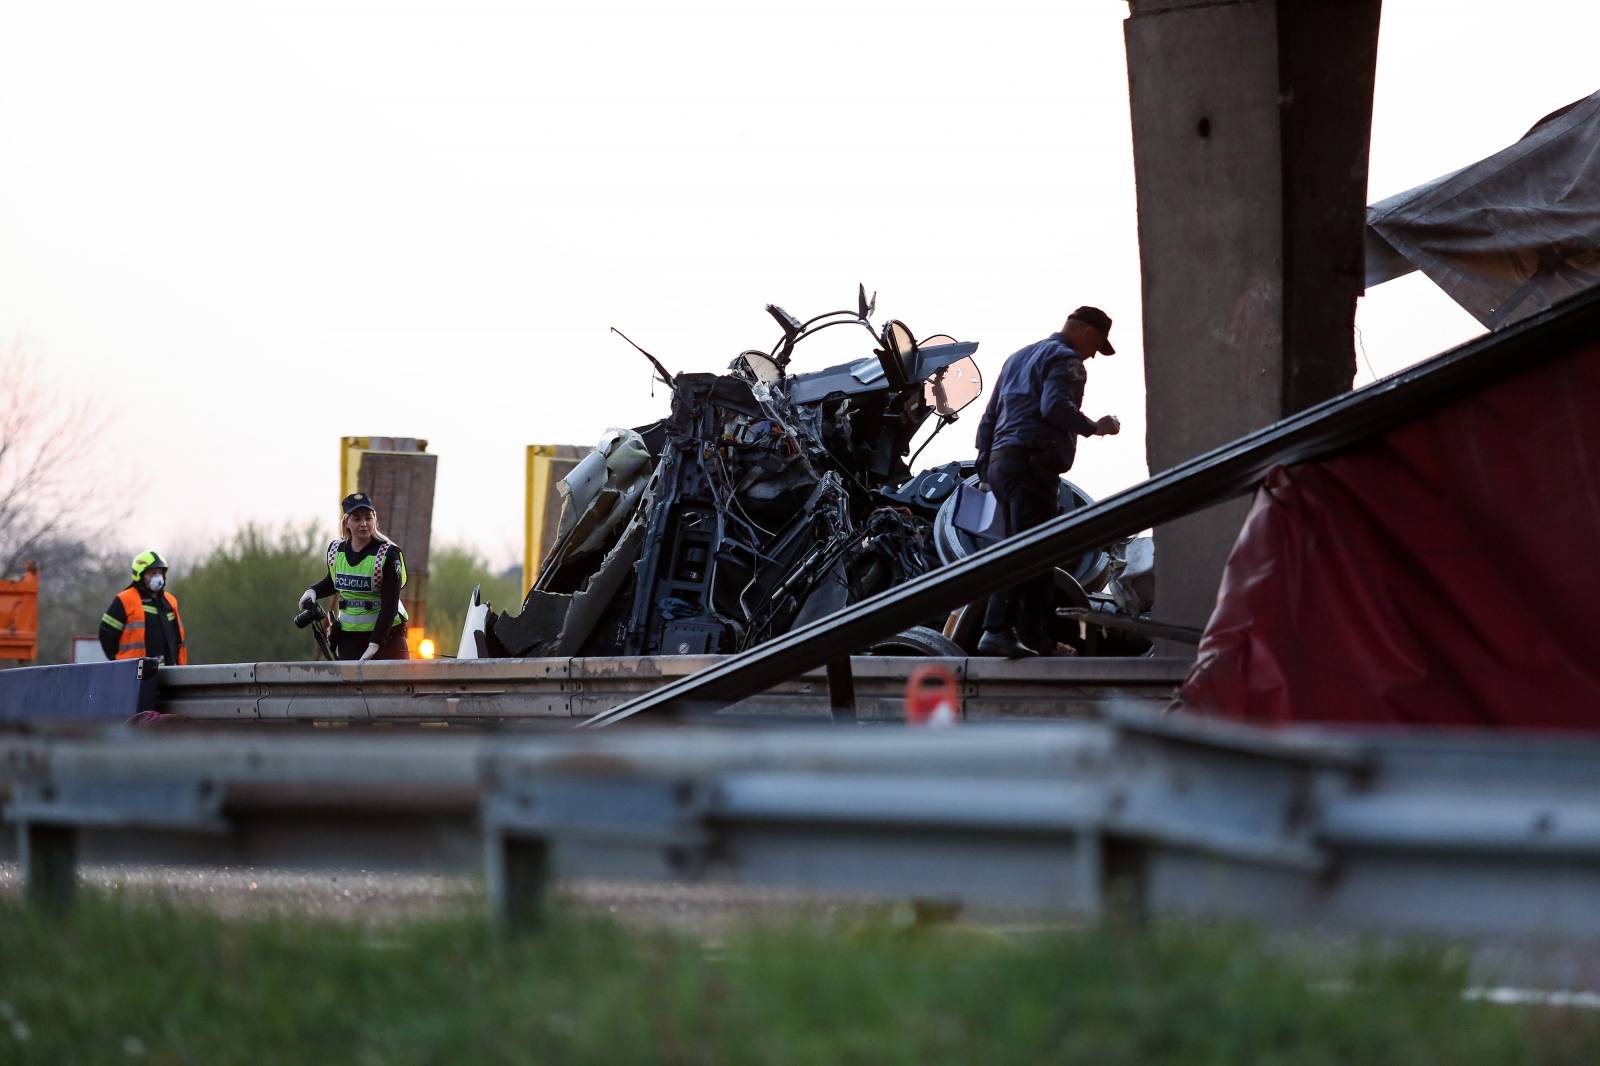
125,982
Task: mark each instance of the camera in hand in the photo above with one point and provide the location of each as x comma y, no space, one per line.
311,614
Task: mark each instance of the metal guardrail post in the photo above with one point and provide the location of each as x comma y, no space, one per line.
49,815
517,869
49,865
538,824
841,690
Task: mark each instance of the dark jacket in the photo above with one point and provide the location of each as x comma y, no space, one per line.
161,639
1036,406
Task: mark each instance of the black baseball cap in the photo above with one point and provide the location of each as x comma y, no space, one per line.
1093,316
357,500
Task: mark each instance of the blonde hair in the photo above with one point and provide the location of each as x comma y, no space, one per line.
377,534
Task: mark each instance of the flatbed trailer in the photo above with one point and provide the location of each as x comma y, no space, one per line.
558,693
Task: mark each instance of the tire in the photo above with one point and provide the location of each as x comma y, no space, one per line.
918,640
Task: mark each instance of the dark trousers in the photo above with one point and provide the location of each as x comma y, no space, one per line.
350,645
1029,497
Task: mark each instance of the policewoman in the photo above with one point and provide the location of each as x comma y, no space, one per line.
143,621
366,572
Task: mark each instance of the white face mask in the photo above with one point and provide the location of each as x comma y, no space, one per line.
157,582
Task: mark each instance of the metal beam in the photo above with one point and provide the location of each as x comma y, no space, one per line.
1218,475
552,693
842,689
1494,838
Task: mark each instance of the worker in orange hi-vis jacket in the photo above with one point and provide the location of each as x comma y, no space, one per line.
143,621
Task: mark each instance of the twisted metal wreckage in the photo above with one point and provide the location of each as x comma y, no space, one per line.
768,499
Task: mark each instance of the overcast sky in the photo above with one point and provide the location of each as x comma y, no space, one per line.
245,229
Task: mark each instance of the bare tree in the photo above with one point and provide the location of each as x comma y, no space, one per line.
77,579
50,512
47,444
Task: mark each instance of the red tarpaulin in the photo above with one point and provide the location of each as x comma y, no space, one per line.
1448,574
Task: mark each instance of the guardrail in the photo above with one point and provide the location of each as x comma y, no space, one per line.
503,690
1492,838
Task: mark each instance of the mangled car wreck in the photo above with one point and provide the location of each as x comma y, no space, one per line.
767,499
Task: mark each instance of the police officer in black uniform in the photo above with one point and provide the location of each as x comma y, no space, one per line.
1027,439
366,571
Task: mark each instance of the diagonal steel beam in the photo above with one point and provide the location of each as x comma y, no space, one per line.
1218,475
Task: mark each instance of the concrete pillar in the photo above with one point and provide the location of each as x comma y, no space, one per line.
1250,130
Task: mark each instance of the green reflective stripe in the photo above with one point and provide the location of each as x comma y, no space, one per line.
112,622
366,623
149,609
361,618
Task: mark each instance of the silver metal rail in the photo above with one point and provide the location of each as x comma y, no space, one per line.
1488,837
560,689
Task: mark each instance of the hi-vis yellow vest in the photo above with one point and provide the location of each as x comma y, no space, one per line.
359,587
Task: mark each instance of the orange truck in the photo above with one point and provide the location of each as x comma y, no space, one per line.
19,616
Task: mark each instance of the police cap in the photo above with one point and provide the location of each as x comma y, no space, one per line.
356,501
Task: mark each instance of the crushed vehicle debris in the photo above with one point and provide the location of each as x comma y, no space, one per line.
767,499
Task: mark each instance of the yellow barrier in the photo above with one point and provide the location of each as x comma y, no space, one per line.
546,465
